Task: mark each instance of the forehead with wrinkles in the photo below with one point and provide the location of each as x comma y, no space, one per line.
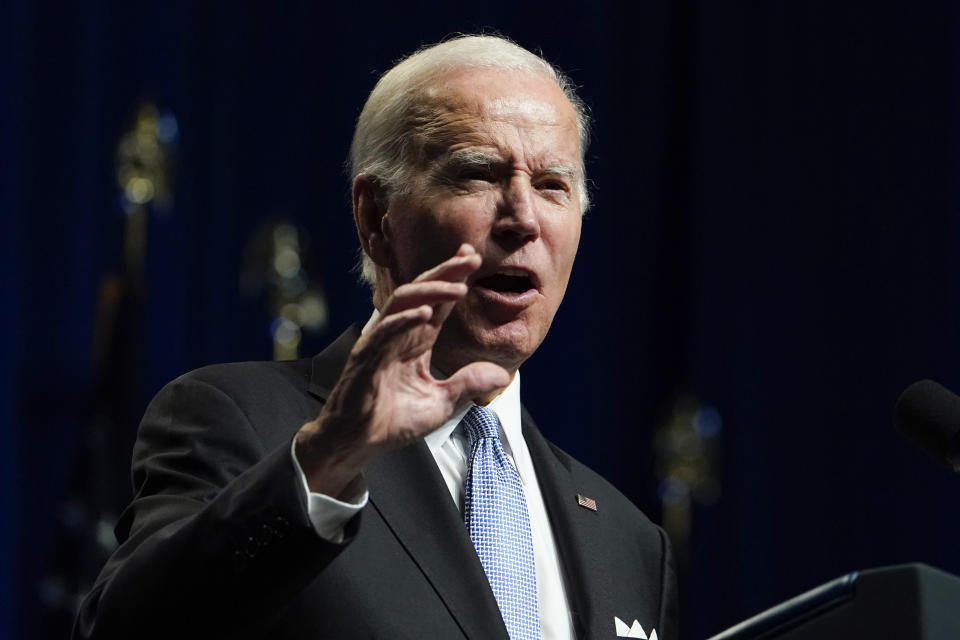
462,109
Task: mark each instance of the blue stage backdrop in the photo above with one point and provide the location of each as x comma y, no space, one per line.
774,242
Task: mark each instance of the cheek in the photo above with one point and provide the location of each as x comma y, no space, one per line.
422,243
566,240
447,229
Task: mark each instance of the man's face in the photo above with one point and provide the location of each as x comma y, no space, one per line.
498,168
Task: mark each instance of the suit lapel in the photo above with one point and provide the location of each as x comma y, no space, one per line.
577,532
408,492
326,367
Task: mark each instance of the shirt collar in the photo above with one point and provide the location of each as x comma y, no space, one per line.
506,406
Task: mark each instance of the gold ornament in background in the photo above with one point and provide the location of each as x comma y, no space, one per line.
687,453
275,262
143,159
144,176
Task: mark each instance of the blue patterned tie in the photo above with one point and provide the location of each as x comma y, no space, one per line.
496,516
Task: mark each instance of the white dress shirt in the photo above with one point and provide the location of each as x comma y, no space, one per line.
448,445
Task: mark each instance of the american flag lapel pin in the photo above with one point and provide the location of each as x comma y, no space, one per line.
586,503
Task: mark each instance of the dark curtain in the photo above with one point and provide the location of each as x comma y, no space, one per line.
774,233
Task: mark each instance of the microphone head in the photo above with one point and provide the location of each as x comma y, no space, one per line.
929,416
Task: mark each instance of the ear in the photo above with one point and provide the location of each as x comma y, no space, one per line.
369,209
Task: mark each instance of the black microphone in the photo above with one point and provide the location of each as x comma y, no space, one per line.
929,416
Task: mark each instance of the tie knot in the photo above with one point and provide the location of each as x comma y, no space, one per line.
480,423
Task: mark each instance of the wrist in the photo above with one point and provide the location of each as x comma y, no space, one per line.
330,464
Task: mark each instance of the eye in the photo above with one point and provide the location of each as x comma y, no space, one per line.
475,173
553,184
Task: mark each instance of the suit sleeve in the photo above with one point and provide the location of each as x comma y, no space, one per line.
217,537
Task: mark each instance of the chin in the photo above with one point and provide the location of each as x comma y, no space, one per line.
508,344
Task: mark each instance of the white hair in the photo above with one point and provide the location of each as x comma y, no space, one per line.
381,145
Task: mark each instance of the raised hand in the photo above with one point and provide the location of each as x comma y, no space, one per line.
386,396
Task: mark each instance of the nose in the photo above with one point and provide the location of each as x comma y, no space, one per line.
518,221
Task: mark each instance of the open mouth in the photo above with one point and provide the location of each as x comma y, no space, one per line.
507,281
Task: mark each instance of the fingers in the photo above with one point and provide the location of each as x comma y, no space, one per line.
415,294
394,337
441,287
474,380
428,299
456,269
397,323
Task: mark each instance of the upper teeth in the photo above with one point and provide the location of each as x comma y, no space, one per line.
509,271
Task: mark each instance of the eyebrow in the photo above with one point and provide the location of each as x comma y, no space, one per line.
562,170
466,158
469,158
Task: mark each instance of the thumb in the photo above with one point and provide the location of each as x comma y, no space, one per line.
475,379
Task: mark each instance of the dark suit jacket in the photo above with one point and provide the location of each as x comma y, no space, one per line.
217,542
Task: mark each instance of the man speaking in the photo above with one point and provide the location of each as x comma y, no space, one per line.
393,486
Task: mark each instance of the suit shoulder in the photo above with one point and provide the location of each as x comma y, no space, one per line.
245,378
272,397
